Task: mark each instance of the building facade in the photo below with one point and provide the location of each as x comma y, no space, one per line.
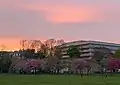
88,47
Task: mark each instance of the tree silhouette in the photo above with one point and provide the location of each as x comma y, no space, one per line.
5,62
117,53
73,51
53,51
23,44
29,53
100,53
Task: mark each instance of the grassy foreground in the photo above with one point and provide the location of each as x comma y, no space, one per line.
58,80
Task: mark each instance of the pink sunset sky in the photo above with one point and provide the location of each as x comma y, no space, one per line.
60,19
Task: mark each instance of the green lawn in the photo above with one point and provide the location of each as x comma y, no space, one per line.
58,80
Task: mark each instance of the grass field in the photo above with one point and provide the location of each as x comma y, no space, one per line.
58,80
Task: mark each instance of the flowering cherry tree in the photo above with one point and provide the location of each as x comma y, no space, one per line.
32,65
80,65
113,64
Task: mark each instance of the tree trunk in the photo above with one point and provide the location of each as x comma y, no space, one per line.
81,72
88,70
75,71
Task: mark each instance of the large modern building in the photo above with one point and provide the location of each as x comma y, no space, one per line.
87,47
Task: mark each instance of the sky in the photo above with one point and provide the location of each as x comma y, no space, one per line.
60,19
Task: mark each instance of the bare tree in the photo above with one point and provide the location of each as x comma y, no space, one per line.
30,44
52,51
35,44
60,42
24,44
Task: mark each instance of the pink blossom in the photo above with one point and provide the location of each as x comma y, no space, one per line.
113,64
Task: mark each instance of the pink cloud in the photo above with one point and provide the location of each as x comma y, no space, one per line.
67,13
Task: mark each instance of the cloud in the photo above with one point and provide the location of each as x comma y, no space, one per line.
72,13
67,13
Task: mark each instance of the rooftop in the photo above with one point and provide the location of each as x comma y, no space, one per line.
91,41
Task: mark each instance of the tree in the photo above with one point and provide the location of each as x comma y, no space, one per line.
30,44
23,44
80,65
52,47
100,53
35,44
43,49
40,55
49,49
117,53
14,61
113,64
29,53
52,51
50,44
104,65
73,51
5,62
58,52
32,65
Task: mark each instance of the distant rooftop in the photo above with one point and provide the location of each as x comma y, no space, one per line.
92,41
